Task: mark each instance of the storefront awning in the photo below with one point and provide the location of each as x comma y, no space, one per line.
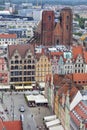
23,87
19,87
4,86
28,87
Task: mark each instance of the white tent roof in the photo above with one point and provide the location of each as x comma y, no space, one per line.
4,86
58,127
52,123
50,118
37,98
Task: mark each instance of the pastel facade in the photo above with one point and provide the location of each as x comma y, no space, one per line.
8,39
21,65
43,67
4,73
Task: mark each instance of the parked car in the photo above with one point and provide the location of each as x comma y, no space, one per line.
22,109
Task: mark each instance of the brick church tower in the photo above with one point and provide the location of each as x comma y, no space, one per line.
50,33
66,25
47,27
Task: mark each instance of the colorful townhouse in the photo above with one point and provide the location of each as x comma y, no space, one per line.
42,68
4,73
21,63
8,39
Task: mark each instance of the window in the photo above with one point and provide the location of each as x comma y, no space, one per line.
20,61
24,66
29,56
16,67
12,62
75,65
78,71
33,61
79,81
33,67
12,67
29,61
33,79
16,62
79,65
67,27
24,72
49,18
25,61
57,41
67,17
29,66
16,57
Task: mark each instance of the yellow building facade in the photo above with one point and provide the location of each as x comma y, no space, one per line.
43,67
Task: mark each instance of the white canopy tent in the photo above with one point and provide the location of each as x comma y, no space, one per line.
52,123
49,118
58,127
38,99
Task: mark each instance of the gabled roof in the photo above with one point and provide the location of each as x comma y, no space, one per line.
79,113
22,49
65,88
57,79
76,50
57,30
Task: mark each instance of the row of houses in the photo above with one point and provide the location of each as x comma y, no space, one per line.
67,100
23,66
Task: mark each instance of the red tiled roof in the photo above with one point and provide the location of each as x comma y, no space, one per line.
57,79
76,50
11,125
8,35
56,53
22,49
80,77
65,88
79,112
14,125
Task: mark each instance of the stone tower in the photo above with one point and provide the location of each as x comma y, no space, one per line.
47,27
66,25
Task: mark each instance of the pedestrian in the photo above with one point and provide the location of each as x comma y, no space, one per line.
32,115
